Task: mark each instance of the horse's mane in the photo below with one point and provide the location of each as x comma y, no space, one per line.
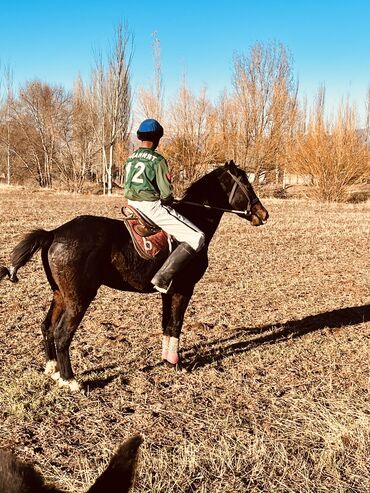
196,189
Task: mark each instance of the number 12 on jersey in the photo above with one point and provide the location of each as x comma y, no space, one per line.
139,168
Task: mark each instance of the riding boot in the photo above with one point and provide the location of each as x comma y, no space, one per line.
178,259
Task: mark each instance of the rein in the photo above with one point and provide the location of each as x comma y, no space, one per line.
212,207
238,183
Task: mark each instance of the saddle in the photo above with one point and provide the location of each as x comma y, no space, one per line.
149,240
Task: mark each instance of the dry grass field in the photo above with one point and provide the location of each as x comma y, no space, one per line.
276,339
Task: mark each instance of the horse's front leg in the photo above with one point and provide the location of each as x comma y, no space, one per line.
174,307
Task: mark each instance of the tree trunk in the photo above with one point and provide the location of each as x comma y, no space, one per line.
110,170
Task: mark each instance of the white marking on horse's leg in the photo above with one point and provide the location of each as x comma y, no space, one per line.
72,385
51,367
13,274
55,376
165,344
173,348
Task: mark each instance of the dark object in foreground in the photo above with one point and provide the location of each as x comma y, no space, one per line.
89,251
19,477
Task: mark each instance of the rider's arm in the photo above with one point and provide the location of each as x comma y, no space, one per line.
163,180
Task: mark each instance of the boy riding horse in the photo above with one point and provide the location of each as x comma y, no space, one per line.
148,189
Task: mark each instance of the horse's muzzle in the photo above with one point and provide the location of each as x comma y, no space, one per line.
259,215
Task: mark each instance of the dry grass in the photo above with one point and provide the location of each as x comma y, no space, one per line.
277,333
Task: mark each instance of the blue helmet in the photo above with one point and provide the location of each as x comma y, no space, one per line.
150,129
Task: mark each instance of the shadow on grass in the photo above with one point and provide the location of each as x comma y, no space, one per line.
98,378
206,353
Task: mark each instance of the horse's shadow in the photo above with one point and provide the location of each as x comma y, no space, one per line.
209,352
99,377
206,353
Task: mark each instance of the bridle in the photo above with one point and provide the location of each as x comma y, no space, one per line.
243,188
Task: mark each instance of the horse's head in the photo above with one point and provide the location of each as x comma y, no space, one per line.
240,194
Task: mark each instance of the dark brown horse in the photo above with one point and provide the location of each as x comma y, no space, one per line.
89,251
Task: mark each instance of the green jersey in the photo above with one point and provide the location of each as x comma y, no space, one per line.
147,176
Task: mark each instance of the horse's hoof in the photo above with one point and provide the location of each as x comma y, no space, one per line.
72,385
175,366
51,367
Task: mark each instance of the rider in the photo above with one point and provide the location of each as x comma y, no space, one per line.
148,188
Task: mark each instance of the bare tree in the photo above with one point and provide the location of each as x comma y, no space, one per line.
110,102
266,96
77,151
8,99
39,114
367,123
334,153
151,100
192,144
5,120
228,121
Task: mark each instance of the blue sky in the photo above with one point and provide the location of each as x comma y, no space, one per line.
55,40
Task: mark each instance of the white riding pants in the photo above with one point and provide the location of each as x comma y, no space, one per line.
171,222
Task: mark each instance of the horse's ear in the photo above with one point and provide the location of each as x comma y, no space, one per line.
230,165
118,476
17,476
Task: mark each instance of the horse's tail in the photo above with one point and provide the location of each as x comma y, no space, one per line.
25,250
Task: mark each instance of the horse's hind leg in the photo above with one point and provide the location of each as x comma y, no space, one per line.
64,332
47,328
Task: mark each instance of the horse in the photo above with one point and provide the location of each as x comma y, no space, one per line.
89,251
21,477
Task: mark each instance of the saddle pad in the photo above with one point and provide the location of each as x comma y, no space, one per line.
149,241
